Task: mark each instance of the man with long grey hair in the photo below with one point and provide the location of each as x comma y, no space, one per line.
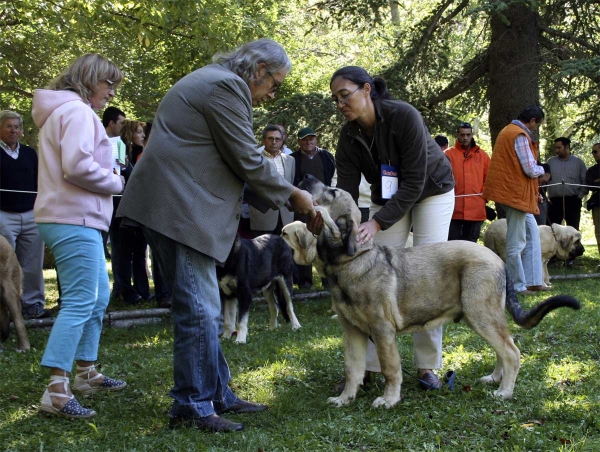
187,195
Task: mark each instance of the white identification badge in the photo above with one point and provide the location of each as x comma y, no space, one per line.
389,181
115,154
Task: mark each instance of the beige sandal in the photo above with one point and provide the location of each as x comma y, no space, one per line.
83,380
72,410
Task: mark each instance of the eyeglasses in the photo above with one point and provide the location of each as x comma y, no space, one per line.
277,84
111,85
343,100
465,125
275,139
12,127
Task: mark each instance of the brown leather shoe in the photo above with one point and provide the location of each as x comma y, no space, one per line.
429,381
212,423
243,406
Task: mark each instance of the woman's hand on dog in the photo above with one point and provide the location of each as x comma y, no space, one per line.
367,231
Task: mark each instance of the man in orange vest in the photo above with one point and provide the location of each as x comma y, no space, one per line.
512,182
469,165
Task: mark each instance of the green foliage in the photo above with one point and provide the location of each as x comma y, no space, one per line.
434,56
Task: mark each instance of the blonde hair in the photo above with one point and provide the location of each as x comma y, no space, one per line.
85,75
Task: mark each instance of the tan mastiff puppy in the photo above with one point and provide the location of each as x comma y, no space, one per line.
10,297
302,243
563,242
382,291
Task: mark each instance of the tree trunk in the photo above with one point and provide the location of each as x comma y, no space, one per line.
395,12
514,64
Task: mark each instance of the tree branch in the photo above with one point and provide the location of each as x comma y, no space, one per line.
568,37
14,89
433,24
474,70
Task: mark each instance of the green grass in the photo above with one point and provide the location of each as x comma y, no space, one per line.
555,406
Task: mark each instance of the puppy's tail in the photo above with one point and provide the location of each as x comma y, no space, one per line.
529,319
280,287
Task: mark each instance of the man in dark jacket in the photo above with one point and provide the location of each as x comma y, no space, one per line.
18,174
319,163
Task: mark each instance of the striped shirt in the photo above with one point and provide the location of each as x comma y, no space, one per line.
572,171
525,154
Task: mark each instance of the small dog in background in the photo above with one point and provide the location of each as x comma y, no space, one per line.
263,264
563,242
10,297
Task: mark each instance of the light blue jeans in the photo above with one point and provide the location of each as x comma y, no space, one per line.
81,266
523,249
200,371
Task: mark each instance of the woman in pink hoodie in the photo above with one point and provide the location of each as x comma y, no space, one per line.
75,185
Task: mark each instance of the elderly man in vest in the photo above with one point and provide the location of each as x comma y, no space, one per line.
512,182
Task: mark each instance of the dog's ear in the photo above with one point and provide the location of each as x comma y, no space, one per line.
566,240
348,232
304,237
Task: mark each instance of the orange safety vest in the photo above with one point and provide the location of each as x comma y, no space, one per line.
506,183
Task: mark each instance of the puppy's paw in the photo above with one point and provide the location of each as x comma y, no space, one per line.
489,379
503,393
229,334
339,401
296,326
20,350
334,317
381,401
240,340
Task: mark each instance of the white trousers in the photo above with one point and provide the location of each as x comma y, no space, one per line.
430,222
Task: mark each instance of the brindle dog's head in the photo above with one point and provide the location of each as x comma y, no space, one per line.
340,206
331,243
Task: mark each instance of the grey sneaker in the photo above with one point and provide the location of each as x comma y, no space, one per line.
37,311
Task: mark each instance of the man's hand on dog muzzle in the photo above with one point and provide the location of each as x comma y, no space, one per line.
302,202
315,224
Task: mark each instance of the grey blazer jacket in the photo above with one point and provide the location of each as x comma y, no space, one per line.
267,221
188,184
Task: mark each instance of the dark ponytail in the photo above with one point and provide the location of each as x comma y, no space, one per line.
358,75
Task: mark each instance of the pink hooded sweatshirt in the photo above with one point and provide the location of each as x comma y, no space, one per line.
75,177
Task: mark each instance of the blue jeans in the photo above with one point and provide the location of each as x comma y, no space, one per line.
79,256
523,249
200,371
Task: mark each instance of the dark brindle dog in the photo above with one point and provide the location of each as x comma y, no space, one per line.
10,297
382,291
265,265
